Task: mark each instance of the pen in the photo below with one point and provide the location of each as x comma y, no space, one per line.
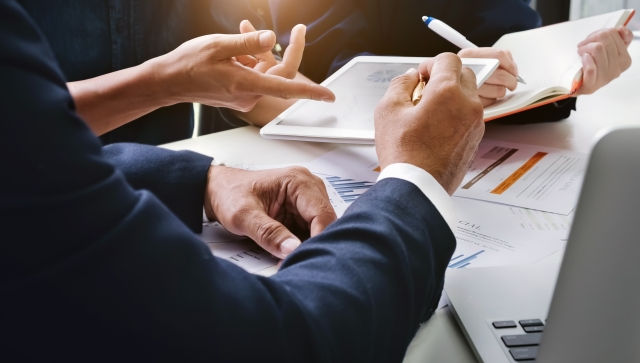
417,92
452,35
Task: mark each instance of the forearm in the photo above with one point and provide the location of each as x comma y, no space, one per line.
114,99
177,178
368,281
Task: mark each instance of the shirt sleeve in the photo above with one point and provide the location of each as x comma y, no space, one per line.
427,184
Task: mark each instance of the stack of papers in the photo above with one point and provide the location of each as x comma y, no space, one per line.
515,205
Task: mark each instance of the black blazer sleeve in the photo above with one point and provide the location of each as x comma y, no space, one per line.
93,270
177,178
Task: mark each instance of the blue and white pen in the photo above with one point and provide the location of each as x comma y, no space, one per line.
452,35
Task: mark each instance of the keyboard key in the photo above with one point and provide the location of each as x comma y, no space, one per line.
504,324
522,354
530,322
533,329
521,340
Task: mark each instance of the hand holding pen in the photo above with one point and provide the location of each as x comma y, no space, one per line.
505,77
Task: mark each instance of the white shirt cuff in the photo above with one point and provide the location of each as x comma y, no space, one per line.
428,185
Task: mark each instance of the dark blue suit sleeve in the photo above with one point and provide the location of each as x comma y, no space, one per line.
93,270
177,178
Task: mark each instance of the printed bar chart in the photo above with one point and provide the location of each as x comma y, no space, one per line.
461,262
349,189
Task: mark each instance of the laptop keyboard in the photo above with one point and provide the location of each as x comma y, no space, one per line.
522,347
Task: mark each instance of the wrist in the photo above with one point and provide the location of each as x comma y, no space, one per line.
209,195
161,80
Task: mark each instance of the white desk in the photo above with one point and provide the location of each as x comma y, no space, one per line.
440,340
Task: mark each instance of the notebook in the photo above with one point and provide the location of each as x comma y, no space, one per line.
548,60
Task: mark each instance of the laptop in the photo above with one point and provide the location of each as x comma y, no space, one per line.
588,308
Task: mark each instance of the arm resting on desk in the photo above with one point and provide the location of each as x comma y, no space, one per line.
177,178
94,270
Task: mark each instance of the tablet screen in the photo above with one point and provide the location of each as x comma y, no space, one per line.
358,92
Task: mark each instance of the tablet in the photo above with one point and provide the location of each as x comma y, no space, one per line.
358,87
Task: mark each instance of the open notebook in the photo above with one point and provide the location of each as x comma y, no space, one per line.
548,60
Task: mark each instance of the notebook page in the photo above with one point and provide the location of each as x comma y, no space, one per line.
548,59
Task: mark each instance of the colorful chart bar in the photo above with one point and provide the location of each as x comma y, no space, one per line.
349,189
513,178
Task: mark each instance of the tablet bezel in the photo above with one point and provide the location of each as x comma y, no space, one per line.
322,134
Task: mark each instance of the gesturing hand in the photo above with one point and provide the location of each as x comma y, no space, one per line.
217,70
441,133
503,79
269,206
604,57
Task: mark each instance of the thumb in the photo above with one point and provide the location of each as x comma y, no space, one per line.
401,88
271,235
246,44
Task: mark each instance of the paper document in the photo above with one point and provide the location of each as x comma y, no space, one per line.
490,234
239,250
526,176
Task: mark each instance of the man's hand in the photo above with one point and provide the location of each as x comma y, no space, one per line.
604,57
502,79
217,70
275,208
441,133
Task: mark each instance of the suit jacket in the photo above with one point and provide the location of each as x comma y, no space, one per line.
92,269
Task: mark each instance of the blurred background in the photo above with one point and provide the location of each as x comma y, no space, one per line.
555,11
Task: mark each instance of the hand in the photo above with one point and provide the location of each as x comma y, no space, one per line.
269,108
441,133
269,206
217,70
502,79
604,57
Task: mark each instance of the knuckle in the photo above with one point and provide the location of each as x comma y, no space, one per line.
599,47
267,231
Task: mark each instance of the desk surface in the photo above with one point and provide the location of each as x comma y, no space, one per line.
440,340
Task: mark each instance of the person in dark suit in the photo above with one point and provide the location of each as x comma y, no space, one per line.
95,268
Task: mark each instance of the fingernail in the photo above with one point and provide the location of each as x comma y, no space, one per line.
329,100
289,246
410,70
265,39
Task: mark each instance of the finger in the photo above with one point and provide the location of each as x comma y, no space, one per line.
313,205
598,53
288,68
626,34
266,60
401,89
244,44
447,67
487,101
247,60
270,234
590,74
503,78
468,83
623,59
504,56
270,85
425,67
492,91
